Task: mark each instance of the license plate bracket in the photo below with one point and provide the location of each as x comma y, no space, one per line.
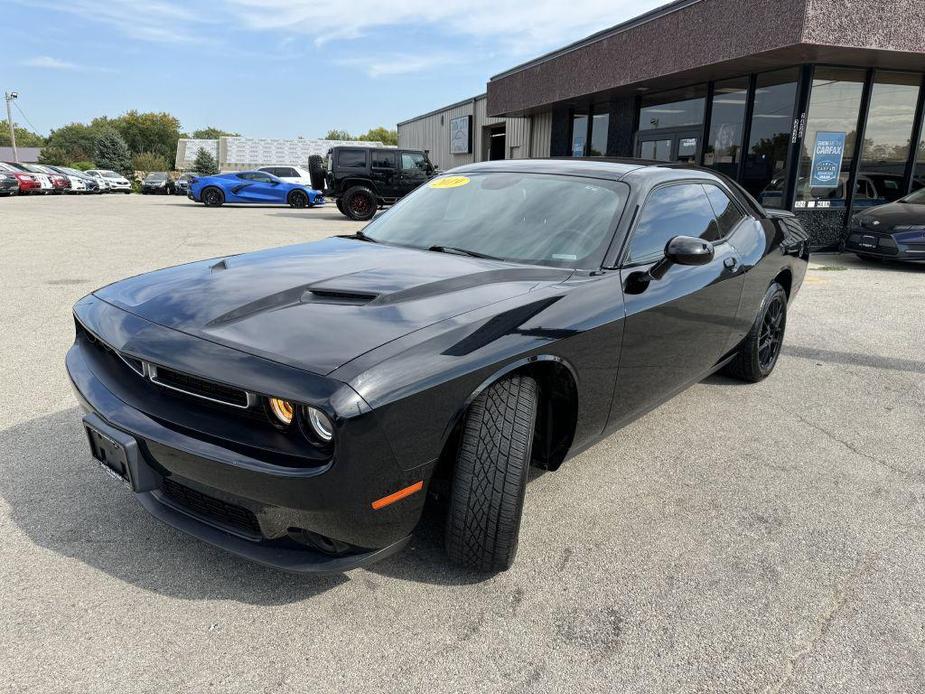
109,453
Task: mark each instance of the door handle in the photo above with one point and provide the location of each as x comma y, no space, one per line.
730,263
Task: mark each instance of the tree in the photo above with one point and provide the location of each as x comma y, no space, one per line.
211,133
380,134
148,162
78,140
82,165
111,152
157,133
24,138
53,155
338,135
205,163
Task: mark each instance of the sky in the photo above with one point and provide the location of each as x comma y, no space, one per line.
276,68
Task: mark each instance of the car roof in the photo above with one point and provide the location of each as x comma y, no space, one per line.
598,167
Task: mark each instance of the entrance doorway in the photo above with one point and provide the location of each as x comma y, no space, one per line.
671,145
497,144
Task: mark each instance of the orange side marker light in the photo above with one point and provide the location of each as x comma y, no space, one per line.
398,496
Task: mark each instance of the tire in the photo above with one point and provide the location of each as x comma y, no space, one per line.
360,204
340,206
298,199
758,353
317,171
212,197
490,477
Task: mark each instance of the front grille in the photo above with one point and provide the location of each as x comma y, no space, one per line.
199,387
209,507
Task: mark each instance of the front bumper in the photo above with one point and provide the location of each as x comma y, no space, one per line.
890,245
303,519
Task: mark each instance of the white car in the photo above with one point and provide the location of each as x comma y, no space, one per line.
77,184
115,182
44,182
289,174
79,180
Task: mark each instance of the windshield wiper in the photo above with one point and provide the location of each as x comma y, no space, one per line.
359,236
463,251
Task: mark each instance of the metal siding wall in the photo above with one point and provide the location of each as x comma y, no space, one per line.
428,133
541,135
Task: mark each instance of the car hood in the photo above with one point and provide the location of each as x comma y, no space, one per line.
891,215
317,306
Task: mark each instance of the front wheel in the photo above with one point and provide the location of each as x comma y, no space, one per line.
360,204
298,199
490,477
212,197
757,356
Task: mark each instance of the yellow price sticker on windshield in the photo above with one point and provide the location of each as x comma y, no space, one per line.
449,182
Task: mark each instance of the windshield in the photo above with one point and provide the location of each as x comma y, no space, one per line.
916,198
565,221
156,177
111,174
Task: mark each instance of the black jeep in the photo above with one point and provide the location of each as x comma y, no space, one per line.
362,179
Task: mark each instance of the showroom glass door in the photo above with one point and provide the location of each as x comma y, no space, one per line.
678,145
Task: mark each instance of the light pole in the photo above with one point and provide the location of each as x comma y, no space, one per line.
9,96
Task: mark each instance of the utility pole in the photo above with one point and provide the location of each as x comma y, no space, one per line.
9,96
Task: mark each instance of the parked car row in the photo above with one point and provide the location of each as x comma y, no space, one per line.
162,183
42,179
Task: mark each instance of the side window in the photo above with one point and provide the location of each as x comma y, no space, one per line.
246,176
287,171
412,160
383,160
263,178
673,210
728,214
352,158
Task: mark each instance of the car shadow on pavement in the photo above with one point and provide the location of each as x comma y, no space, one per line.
65,503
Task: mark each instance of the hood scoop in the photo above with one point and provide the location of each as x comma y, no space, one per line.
320,295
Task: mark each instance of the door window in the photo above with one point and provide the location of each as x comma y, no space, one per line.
413,161
675,210
383,160
728,214
352,158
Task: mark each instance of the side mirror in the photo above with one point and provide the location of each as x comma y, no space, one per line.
682,250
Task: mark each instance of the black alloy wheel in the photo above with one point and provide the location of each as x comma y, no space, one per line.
212,197
771,336
298,199
757,355
360,204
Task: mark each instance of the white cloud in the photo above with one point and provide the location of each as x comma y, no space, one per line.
514,26
46,61
398,63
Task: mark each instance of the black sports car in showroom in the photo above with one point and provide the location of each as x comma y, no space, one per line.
296,406
895,231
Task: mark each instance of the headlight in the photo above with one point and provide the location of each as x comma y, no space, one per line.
321,424
282,410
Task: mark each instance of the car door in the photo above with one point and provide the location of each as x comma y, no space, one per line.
675,328
384,172
257,186
413,172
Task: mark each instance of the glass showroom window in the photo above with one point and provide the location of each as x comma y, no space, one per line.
727,118
600,122
765,172
918,174
887,139
579,134
829,144
673,109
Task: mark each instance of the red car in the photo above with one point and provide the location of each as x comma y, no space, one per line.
27,182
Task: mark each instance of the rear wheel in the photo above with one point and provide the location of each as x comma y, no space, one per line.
298,198
490,477
757,356
212,197
340,205
360,204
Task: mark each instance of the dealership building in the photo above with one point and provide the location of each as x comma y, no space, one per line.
815,106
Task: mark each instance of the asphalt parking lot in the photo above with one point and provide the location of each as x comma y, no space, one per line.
740,538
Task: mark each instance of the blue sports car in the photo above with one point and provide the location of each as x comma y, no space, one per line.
251,187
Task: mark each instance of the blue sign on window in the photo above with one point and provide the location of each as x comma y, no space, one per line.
827,157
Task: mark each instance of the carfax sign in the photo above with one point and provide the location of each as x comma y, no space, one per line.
827,158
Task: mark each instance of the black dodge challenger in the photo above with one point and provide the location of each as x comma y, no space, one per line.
296,406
